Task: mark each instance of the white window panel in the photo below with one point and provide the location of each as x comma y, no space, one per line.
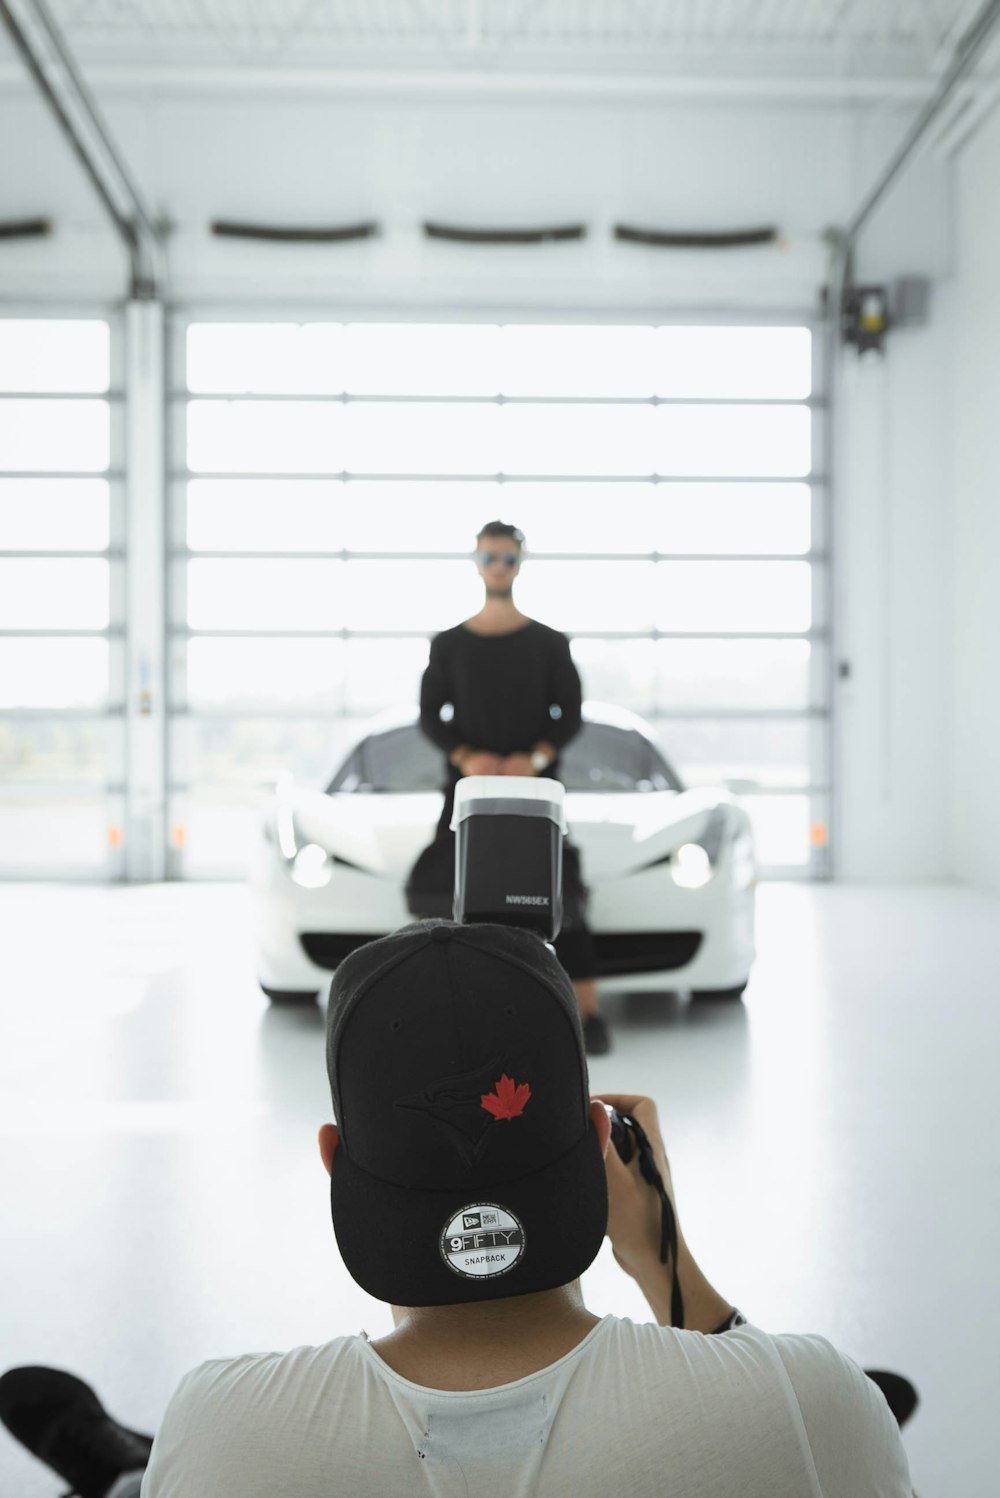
589,595
622,672
409,595
744,441
265,595
399,437
230,673
741,597
54,354
54,514
580,439
580,361
56,593
54,436
40,833
53,673
733,363
265,437
418,516
737,518
422,359
384,673
266,358
751,751
781,829
57,751
265,515
215,834
590,517
245,758
733,673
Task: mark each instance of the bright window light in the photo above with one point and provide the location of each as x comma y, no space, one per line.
591,517
402,515
265,515
582,361
265,595
423,595
266,359
733,363
744,441
577,439
259,671
54,514
55,436
265,437
752,752
53,673
396,437
780,829
64,593
46,354
737,597
590,595
422,359
735,518
734,673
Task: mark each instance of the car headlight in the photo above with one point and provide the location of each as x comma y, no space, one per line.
312,867
691,866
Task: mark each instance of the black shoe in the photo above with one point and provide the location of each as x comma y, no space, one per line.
596,1037
900,1395
61,1421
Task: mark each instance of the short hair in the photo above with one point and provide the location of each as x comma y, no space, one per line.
501,530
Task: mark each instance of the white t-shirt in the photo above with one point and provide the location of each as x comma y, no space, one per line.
633,1410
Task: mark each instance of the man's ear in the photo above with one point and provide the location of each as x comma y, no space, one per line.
602,1123
329,1138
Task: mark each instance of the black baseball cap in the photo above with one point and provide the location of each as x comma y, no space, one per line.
468,1168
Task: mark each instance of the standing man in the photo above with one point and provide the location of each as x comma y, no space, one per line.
515,698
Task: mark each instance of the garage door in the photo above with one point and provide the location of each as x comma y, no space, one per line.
327,482
61,623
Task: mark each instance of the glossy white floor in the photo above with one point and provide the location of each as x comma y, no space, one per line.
835,1146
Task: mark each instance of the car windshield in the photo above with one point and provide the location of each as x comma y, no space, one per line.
601,758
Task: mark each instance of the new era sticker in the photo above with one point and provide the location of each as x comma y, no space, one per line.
481,1241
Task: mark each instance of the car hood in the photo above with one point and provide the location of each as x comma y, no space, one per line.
618,833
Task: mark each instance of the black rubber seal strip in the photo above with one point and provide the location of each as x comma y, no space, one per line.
227,229
460,235
666,239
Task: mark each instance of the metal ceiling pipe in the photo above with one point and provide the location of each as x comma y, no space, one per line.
967,53
40,44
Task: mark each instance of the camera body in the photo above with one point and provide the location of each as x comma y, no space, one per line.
509,832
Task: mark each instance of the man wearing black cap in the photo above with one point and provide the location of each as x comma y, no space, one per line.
469,1189
512,697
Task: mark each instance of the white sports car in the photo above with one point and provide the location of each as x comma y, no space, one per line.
670,871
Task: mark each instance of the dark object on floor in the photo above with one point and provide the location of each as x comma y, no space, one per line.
900,1395
596,1037
60,1420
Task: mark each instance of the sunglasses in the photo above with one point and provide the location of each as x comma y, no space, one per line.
487,558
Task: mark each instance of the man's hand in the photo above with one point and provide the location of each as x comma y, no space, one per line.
481,762
633,1206
634,1227
516,764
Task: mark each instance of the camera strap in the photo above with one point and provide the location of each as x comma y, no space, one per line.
668,1222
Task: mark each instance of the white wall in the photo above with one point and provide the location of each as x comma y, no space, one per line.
976,514
893,566
328,156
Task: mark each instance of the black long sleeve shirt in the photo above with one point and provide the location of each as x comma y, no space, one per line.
508,692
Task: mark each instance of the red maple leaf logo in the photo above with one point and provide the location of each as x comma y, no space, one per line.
507,1101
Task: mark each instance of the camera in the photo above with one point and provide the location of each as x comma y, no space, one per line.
509,832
